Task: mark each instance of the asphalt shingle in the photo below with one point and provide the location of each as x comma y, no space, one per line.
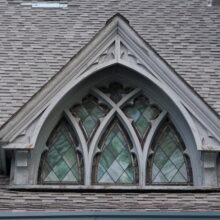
36,42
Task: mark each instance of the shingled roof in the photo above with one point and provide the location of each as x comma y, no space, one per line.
150,201
37,42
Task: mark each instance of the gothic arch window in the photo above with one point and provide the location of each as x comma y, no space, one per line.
115,163
105,139
168,163
61,163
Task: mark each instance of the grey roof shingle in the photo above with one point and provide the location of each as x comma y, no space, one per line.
60,201
35,43
12,200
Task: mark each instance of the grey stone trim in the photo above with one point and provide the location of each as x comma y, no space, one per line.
210,166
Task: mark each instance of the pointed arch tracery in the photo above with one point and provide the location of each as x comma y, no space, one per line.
115,121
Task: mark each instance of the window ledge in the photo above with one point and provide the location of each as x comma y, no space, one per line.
112,188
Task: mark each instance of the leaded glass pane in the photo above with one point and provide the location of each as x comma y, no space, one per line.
168,161
89,113
115,164
141,112
61,163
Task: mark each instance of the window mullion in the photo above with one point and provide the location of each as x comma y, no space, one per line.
93,145
146,149
135,141
82,141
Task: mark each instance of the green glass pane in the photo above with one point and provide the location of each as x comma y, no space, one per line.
150,113
124,159
116,146
115,158
106,179
122,138
177,158
160,178
169,170
96,112
109,137
53,156
134,113
63,146
89,124
124,178
61,169
130,172
115,171
47,170
69,177
178,178
107,158
89,113
101,171
183,171
142,125
168,145
155,171
141,112
70,157
82,113
75,171
160,158
51,177
169,165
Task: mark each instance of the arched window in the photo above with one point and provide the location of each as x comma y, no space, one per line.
115,163
115,126
61,163
168,164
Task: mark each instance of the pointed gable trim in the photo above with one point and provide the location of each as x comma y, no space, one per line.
118,43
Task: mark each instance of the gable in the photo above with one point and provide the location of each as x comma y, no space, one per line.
116,43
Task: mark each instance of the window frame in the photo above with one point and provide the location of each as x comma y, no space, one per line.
115,107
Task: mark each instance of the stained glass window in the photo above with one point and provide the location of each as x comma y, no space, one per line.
89,113
115,163
104,123
168,164
61,163
141,113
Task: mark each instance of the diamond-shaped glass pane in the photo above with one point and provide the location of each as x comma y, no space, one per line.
141,112
115,164
168,161
89,113
61,163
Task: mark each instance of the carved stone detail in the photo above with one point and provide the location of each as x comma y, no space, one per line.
127,55
107,55
208,141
